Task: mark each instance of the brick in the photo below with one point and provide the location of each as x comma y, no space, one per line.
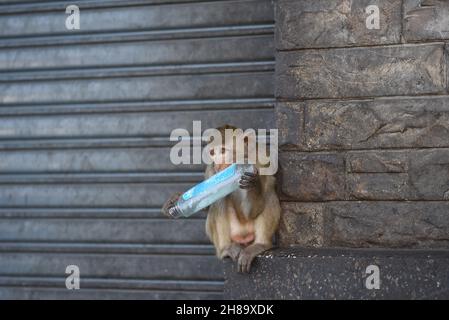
416,224
361,72
377,162
388,224
289,121
312,177
398,175
379,186
421,122
378,123
429,174
330,23
426,20
301,224
366,175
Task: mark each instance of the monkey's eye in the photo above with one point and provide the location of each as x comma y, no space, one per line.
212,152
223,150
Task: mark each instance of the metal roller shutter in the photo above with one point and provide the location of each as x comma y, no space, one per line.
85,117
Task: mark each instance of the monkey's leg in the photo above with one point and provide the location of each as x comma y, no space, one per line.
219,231
265,226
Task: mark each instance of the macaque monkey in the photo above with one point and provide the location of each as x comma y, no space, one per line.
241,225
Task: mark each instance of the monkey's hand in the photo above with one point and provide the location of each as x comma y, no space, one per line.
170,203
249,180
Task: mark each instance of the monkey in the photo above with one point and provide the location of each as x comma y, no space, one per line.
242,224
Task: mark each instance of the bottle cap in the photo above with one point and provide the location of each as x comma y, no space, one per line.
174,212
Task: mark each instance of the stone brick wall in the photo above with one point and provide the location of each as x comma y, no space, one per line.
364,123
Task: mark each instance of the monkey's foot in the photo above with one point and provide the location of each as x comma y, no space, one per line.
232,251
247,256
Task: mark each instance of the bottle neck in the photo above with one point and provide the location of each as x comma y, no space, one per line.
175,212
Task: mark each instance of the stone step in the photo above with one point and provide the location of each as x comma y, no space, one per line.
298,273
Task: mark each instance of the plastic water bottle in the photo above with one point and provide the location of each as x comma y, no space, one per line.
207,192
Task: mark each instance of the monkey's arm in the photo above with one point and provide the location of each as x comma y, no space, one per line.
253,184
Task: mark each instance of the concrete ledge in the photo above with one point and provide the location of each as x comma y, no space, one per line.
297,273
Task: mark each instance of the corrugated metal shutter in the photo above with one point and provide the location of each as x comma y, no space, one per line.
85,118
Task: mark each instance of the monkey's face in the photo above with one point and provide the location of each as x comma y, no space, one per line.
222,157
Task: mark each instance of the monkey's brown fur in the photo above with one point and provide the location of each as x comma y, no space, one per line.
242,225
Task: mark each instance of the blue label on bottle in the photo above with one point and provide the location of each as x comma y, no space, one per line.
209,183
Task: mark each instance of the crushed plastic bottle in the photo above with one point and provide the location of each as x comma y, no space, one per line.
207,192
